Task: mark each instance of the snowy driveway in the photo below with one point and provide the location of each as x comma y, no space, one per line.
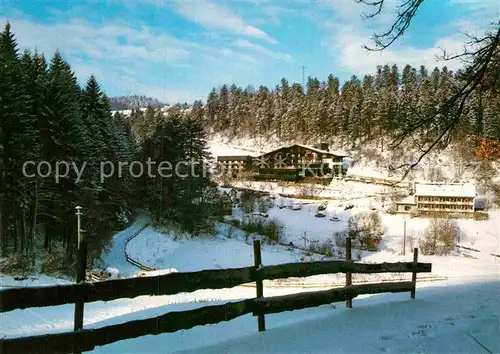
116,256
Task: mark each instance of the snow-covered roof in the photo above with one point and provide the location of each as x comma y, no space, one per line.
407,200
445,190
312,148
123,111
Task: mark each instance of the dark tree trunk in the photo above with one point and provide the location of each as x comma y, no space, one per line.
3,236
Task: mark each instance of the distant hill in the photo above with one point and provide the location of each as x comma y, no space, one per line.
130,102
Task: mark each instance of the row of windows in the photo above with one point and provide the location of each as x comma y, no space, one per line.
297,157
233,167
443,207
445,199
232,162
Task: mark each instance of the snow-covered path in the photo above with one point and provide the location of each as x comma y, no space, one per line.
116,256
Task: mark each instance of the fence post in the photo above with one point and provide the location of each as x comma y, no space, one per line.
348,275
81,267
414,274
261,321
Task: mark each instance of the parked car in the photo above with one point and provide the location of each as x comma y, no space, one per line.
334,219
349,206
322,206
320,215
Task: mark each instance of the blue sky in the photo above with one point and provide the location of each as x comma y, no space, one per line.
179,50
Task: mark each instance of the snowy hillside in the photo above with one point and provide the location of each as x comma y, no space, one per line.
369,160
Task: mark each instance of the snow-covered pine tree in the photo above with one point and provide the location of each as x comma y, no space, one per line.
17,126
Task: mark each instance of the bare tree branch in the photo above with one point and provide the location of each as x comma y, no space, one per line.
481,55
405,14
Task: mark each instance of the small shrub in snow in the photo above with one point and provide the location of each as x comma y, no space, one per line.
324,248
230,231
358,255
263,205
391,209
56,262
367,228
440,237
17,264
480,216
235,222
339,238
411,239
247,202
272,229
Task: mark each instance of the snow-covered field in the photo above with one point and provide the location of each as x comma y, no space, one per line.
162,251
457,315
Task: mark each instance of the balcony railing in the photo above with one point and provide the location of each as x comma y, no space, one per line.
446,202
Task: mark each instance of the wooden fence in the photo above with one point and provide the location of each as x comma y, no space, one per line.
130,259
173,283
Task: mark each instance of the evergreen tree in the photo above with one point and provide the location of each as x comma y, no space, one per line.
17,143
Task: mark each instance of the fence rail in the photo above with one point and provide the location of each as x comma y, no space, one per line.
88,339
130,259
173,283
167,284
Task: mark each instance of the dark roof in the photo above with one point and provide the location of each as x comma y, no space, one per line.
311,148
233,158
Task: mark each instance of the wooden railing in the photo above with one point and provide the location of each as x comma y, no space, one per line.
173,283
130,259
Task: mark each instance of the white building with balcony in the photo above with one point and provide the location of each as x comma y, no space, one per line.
438,197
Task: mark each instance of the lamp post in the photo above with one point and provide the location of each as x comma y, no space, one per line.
80,270
79,225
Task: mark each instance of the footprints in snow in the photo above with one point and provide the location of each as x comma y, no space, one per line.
422,331
450,320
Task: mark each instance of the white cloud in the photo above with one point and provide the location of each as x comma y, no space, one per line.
100,42
216,16
352,12
347,47
237,56
245,44
486,6
167,94
346,33
112,52
130,83
133,60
